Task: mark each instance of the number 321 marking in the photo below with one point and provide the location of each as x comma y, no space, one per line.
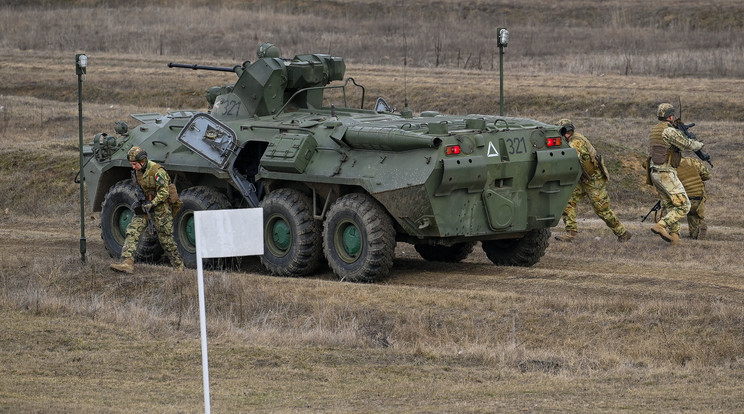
516,145
231,108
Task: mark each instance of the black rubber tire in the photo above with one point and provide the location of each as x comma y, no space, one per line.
359,239
292,246
523,252
451,254
116,215
194,199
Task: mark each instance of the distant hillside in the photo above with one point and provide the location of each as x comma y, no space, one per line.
684,38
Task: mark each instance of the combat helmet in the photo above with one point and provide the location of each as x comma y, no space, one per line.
268,50
566,125
664,111
136,154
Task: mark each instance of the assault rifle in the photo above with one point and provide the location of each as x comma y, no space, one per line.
137,206
656,207
686,130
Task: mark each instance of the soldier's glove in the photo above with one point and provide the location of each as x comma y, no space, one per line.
147,205
137,208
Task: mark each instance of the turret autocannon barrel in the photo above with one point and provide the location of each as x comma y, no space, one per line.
202,67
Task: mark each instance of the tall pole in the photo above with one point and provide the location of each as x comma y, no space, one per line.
81,63
501,80
502,39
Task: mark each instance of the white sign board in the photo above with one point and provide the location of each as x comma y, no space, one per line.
223,233
229,233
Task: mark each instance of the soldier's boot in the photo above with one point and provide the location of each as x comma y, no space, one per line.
569,236
675,240
624,237
178,264
659,229
126,266
703,232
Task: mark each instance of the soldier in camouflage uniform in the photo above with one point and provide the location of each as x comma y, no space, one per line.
692,173
666,144
154,181
592,184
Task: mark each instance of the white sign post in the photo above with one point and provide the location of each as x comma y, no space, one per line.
223,233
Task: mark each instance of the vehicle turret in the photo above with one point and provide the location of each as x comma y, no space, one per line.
264,86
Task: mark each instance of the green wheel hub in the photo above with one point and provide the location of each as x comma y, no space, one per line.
349,239
122,221
279,236
189,230
186,232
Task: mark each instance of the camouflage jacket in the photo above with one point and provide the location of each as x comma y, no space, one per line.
154,181
591,162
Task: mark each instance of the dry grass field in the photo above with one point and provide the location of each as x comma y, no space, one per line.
595,326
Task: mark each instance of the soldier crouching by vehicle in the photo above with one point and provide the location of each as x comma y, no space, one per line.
157,207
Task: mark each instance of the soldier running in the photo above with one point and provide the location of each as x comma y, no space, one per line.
666,144
593,183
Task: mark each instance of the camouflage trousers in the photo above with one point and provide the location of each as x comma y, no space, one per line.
673,197
695,217
595,188
162,218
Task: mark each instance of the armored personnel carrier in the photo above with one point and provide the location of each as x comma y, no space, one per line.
339,183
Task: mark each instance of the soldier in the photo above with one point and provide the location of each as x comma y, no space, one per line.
593,183
154,181
666,144
692,173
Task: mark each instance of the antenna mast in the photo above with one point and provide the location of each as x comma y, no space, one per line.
405,65
406,112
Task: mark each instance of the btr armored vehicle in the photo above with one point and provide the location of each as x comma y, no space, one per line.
337,182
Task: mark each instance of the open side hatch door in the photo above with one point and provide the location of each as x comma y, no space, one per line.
218,143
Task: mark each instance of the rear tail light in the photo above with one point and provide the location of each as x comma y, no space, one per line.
554,142
452,150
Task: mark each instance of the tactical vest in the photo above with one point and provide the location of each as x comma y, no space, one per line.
147,181
690,178
658,150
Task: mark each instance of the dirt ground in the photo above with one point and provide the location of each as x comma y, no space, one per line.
711,266
91,366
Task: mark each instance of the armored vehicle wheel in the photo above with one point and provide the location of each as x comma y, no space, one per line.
115,217
453,254
291,236
194,199
518,252
359,239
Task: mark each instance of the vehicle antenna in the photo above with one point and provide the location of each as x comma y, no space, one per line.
405,64
406,112
679,100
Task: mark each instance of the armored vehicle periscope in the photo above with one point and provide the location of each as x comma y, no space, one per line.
339,183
